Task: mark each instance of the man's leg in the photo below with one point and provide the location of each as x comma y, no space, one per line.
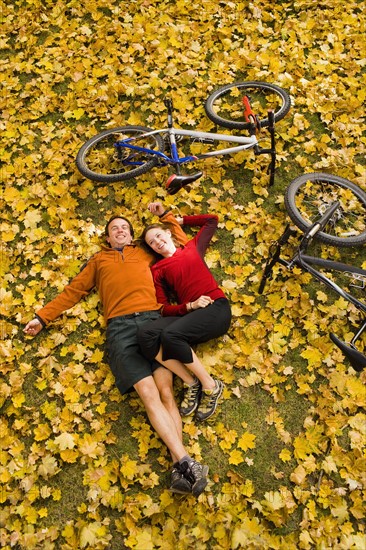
160,419
164,382
184,466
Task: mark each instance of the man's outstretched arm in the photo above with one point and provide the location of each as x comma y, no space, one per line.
78,288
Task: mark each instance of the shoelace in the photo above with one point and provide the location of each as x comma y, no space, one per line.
191,394
208,400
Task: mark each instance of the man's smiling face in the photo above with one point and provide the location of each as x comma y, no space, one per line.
119,233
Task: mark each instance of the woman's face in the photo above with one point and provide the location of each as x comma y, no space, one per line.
160,240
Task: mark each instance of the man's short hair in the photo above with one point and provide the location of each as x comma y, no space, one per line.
118,218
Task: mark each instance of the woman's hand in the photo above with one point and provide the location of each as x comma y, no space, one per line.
156,208
33,327
202,301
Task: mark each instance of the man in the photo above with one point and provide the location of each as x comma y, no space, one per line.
121,273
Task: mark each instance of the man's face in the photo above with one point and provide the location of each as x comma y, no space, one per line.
119,233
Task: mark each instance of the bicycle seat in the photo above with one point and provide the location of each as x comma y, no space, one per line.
356,358
177,181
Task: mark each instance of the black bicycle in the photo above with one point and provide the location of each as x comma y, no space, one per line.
340,209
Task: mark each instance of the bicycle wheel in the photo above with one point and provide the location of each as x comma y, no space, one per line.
308,196
225,106
100,159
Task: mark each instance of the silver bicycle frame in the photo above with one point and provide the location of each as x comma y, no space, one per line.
246,142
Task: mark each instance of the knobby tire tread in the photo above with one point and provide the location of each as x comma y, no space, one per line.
297,218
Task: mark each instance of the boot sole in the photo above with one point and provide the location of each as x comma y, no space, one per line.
178,491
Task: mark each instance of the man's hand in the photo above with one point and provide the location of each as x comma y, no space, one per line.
202,301
156,208
33,327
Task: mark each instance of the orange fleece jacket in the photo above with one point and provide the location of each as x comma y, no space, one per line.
123,279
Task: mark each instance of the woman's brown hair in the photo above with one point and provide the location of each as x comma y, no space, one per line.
143,243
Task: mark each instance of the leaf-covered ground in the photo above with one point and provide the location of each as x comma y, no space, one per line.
80,467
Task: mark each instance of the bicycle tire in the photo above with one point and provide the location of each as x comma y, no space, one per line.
98,160
262,96
308,196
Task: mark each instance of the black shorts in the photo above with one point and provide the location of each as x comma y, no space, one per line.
176,335
125,359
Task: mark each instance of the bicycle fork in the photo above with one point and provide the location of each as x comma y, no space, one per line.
172,142
272,151
254,127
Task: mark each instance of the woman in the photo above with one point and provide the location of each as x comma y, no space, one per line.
201,312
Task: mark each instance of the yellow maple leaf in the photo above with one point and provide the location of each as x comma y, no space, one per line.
48,467
285,455
89,446
340,511
302,447
246,441
56,494
32,218
235,457
69,455
41,432
128,468
18,400
247,489
250,530
273,500
144,540
314,356
298,476
65,441
29,296
89,534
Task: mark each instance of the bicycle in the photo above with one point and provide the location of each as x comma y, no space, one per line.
337,220
119,154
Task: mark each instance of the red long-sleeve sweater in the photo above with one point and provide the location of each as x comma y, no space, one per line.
123,279
186,273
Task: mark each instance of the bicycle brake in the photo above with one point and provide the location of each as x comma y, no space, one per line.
356,277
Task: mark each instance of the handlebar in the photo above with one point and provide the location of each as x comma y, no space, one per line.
274,256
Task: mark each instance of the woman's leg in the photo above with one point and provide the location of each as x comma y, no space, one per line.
195,366
149,337
199,326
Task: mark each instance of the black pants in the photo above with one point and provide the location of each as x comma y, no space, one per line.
176,335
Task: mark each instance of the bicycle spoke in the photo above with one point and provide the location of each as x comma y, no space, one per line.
104,158
315,197
225,106
230,106
108,158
